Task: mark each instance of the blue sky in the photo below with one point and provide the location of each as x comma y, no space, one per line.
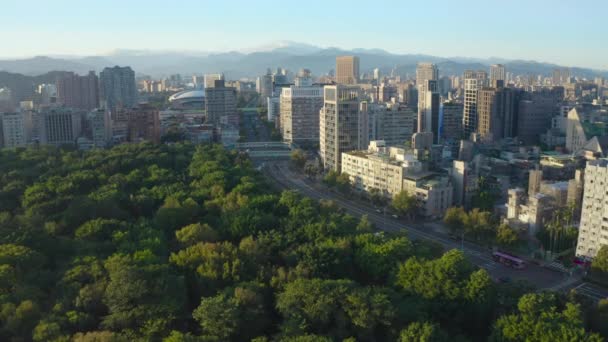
570,33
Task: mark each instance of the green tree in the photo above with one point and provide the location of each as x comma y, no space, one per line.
405,204
422,332
600,262
506,236
298,159
454,218
195,233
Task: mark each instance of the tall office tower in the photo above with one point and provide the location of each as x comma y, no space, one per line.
343,126
211,78
13,129
117,87
347,69
451,121
496,112
79,92
48,93
594,216
299,114
473,81
303,79
425,72
264,85
535,112
59,126
220,104
408,94
144,124
497,73
428,110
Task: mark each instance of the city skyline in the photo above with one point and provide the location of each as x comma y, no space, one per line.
246,28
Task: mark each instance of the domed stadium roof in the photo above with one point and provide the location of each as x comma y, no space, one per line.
188,95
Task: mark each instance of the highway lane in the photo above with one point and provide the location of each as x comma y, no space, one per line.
536,275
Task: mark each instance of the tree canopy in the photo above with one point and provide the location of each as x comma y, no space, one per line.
177,242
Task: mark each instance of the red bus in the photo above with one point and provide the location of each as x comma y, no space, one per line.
508,260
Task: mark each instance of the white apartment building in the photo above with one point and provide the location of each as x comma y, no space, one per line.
299,114
593,229
390,170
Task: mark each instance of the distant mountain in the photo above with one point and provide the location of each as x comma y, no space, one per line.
286,54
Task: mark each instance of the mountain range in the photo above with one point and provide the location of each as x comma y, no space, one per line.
253,62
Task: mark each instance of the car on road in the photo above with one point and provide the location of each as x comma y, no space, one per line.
395,216
378,211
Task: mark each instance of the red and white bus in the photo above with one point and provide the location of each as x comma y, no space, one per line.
508,260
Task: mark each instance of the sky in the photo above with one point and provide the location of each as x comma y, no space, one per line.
570,33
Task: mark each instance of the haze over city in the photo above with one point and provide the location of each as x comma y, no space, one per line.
546,31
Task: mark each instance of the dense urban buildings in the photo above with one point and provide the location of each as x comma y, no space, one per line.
427,75
347,70
451,121
211,78
117,87
497,73
13,129
59,126
496,110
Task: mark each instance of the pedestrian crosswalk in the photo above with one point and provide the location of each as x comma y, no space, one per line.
591,291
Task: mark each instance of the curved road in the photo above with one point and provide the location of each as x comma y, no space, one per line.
540,277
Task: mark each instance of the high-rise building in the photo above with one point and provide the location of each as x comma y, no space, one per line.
220,104
593,229
496,112
428,113
343,126
347,70
535,112
497,73
78,92
299,118
211,78
117,87
427,75
473,81
13,130
451,121
59,126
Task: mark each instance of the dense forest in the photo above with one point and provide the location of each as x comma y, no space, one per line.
178,242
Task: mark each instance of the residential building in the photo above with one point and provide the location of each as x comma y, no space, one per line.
473,82
497,73
347,69
427,75
13,130
593,229
211,78
274,109
496,112
343,126
144,124
299,114
393,123
220,104
78,92
117,87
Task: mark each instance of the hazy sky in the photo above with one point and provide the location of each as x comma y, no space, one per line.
571,33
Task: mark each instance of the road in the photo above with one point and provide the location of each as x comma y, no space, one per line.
540,277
